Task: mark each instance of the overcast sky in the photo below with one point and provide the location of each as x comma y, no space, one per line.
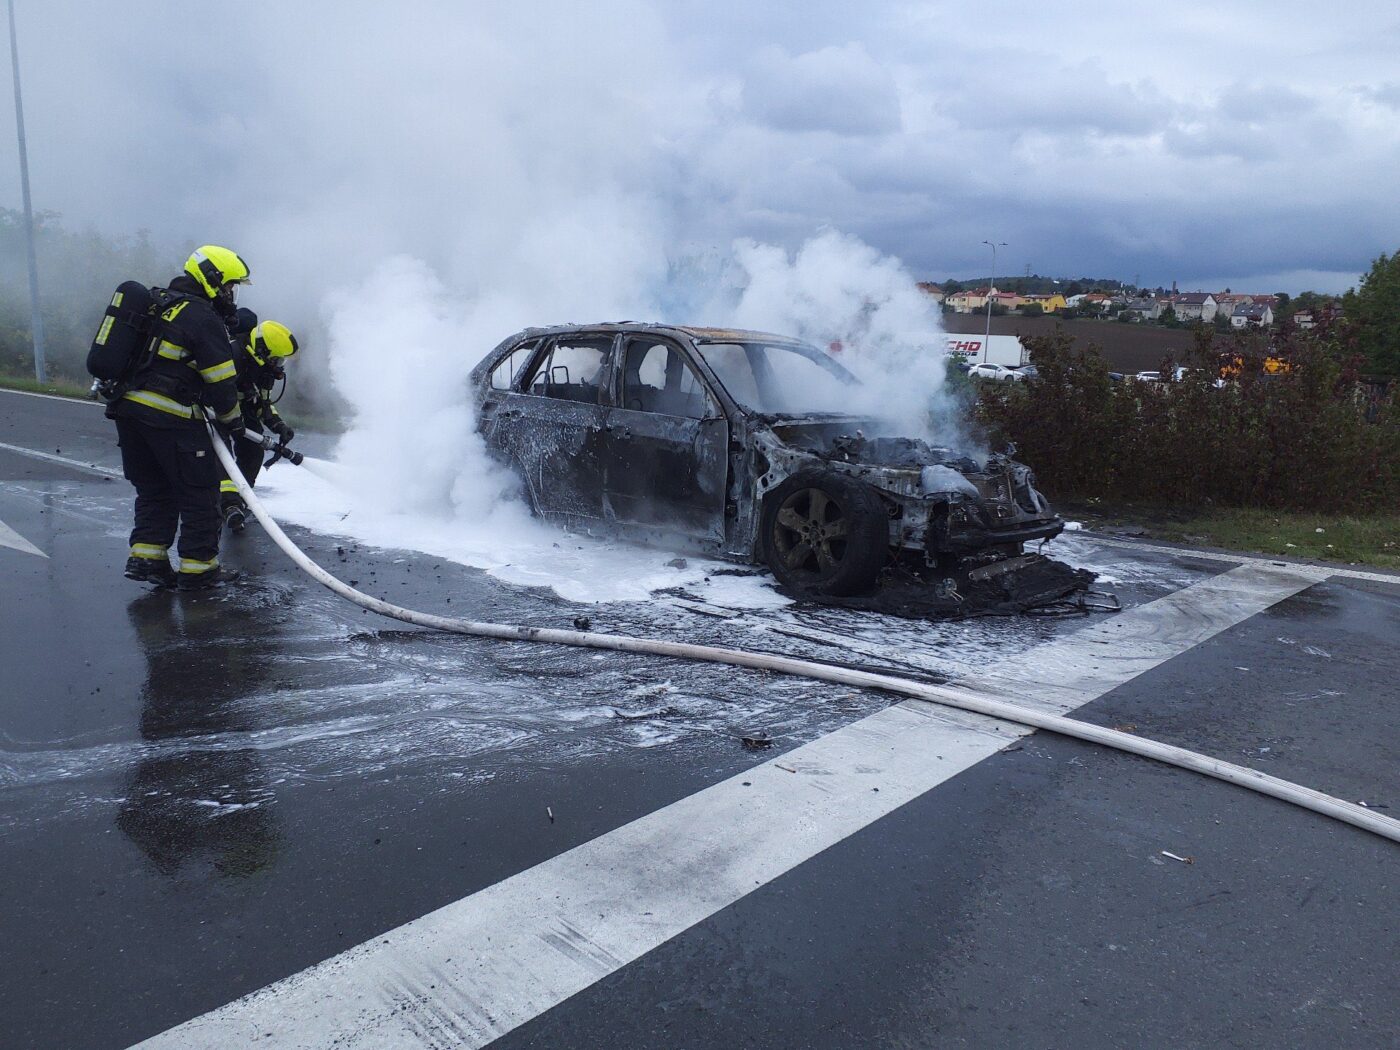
1244,143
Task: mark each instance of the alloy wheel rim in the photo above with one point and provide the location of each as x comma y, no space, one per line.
810,533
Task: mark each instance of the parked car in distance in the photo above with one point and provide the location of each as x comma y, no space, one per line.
1026,372
743,445
996,373
1148,377
1115,377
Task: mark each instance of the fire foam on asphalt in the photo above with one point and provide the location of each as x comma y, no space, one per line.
515,548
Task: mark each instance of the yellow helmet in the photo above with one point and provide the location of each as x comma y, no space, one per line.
269,340
216,268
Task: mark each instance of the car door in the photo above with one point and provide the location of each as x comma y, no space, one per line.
549,425
665,443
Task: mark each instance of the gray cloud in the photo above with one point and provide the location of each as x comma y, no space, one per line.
519,148
1384,94
1025,94
1263,104
838,89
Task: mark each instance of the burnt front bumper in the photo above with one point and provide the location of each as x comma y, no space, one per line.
969,529
1007,512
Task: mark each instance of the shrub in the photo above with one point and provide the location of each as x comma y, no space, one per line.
1299,440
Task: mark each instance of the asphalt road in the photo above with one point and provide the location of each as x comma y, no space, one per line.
204,796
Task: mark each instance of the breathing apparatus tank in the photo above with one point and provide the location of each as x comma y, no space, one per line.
123,335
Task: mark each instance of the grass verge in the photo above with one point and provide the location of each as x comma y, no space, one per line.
1354,540
56,387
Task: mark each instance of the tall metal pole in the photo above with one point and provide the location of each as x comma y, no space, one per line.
36,320
991,287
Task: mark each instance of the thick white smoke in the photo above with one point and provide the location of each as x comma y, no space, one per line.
402,344
401,348
413,190
843,295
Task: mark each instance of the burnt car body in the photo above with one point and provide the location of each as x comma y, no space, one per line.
707,438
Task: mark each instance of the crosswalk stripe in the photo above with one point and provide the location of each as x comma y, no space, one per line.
10,538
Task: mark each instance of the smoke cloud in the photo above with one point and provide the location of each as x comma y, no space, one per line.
401,346
412,184
842,294
345,132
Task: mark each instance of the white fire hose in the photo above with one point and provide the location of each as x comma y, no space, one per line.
947,696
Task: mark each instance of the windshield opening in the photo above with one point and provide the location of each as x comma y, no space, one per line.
779,380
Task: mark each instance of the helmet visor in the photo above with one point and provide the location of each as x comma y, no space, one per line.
228,292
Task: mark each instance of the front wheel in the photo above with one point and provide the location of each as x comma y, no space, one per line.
825,533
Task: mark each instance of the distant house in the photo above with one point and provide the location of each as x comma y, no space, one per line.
1252,315
969,301
1225,302
1194,306
1145,309
933,291
1049,303
1327,313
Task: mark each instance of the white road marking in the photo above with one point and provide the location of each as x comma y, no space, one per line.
1322,570
10,538
469,972
53,397
64,461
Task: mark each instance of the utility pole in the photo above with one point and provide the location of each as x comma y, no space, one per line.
36,321
991,287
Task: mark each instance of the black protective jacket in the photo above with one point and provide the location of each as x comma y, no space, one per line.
192,365
256,376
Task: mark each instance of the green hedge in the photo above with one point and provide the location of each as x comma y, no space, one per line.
1303,440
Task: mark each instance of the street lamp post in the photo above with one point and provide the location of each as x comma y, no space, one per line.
991,286
36,321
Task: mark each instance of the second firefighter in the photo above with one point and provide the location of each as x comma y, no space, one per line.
260,360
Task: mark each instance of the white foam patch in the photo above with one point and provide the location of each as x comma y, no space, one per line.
516,548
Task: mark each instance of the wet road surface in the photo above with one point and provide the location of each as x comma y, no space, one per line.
203,795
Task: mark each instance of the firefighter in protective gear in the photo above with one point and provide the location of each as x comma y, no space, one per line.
261,362
165,446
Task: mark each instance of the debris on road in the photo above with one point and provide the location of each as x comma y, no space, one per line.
1173,856
638,716
757,740
1028,583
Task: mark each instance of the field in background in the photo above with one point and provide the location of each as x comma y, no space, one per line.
1127,348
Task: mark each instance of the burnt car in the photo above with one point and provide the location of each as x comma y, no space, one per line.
735,443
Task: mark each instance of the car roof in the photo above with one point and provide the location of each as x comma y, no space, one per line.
697,333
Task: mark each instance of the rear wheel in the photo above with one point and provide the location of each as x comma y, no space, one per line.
825,533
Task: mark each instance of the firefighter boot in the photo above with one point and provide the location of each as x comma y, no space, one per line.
150,570
199,575
235,517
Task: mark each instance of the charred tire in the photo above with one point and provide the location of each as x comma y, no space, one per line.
825,533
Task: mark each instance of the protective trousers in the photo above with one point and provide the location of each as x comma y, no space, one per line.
176,476
248,456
